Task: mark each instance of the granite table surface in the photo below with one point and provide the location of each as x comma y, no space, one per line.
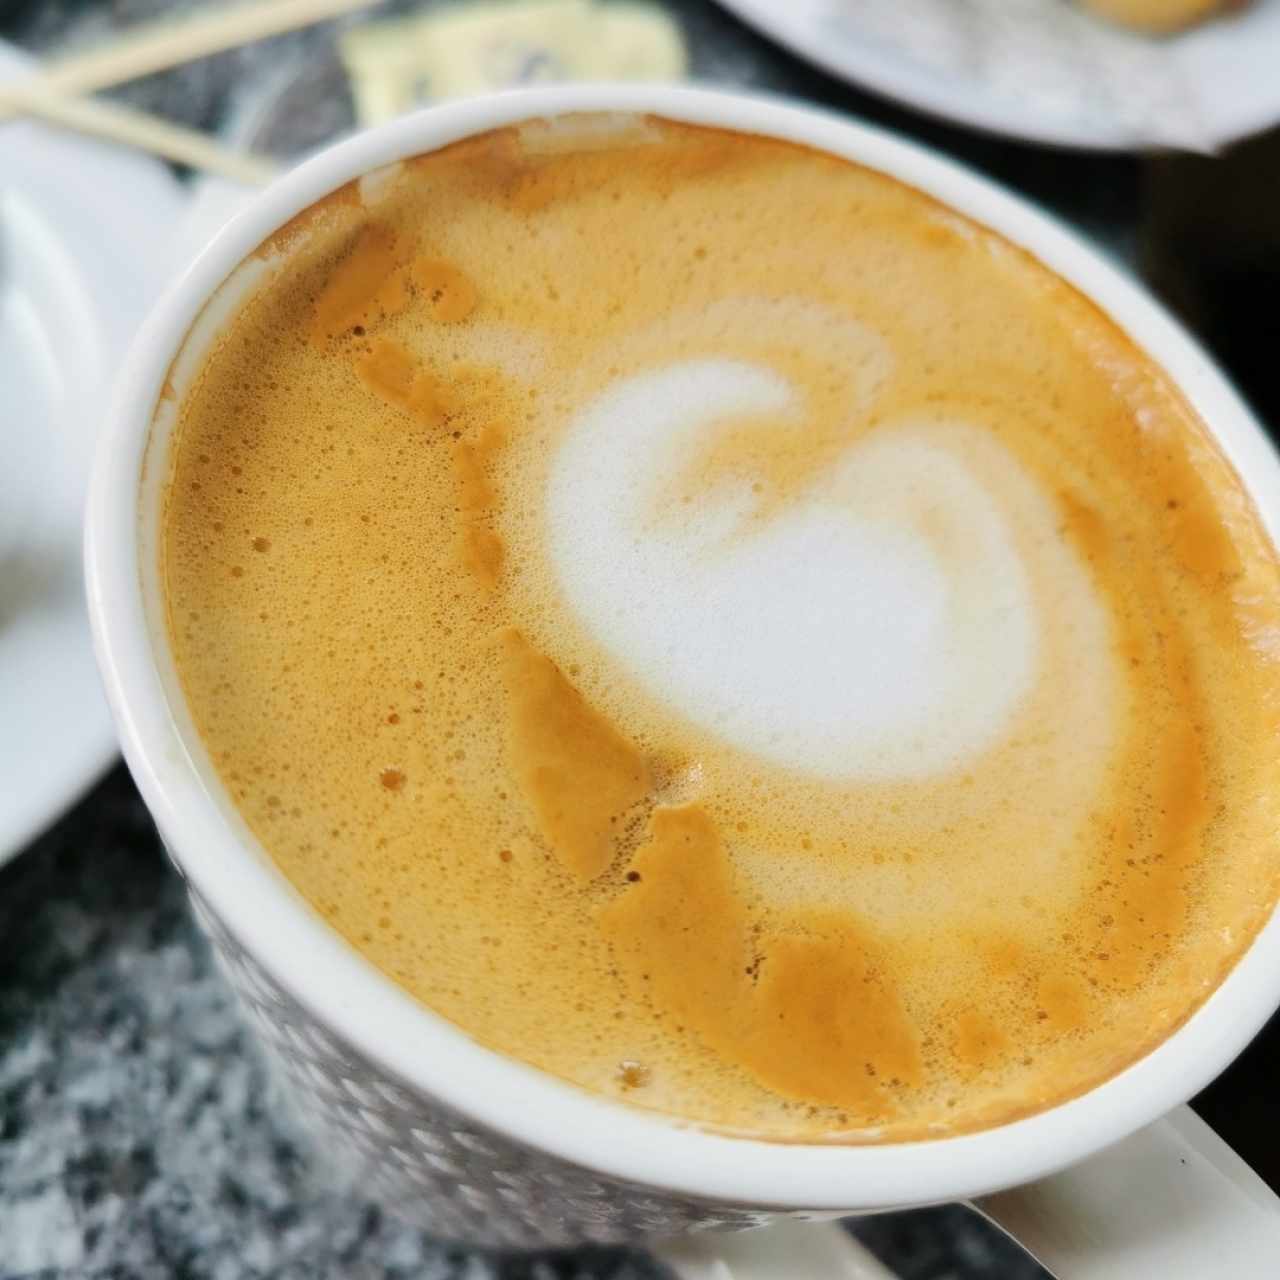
139,1135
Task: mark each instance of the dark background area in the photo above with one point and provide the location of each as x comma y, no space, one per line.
138,1131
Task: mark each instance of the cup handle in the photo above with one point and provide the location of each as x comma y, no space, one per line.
784,1251
1172,1201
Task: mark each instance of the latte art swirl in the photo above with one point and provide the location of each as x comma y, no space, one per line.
817,685
879,627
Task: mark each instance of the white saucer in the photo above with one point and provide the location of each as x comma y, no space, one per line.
1044,70
85,230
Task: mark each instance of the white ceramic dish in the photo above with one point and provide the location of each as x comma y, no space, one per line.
1043,70
486,1149
83,227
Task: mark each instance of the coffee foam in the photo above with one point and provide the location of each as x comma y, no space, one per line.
880,628
820,685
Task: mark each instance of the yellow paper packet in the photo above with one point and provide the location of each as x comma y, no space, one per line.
499,44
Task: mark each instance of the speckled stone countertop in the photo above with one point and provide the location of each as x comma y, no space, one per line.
138,1135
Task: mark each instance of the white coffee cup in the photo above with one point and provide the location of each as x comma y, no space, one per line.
484,1149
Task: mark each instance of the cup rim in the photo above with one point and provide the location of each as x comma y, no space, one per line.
418,1047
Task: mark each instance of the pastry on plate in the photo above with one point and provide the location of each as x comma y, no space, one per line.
1160,15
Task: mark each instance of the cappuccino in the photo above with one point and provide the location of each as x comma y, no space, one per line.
725,629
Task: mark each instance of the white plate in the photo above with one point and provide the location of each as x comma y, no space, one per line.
1044,70
85,230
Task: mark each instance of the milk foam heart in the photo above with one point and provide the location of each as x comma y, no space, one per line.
837,637
728,631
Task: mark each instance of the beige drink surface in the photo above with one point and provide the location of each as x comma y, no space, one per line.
727,630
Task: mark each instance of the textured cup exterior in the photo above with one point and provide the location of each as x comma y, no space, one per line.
429,1164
